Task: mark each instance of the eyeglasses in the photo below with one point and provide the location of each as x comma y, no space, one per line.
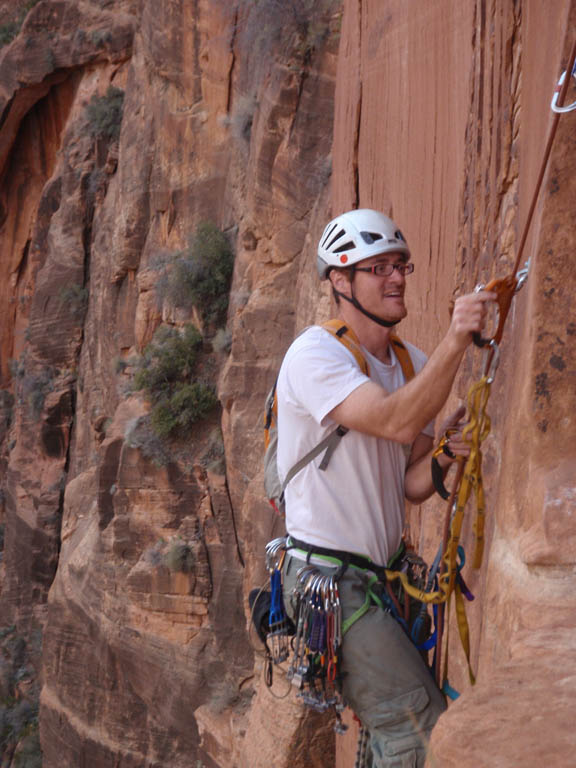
385,269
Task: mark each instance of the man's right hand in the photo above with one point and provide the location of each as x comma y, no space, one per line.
469,316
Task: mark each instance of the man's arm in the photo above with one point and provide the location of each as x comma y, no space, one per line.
418,485
403,414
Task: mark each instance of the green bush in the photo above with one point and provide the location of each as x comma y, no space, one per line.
18,715
10,30
166,373
169,358
35,388
105,114
187,404
201,275
140,435
179,558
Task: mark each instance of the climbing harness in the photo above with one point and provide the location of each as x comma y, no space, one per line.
313,645
468,479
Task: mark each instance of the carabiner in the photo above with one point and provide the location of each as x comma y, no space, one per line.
522,275
553,103
491,360
504,288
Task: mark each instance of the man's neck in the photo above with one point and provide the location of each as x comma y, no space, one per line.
375,338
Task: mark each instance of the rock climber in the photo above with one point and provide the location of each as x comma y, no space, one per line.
357,504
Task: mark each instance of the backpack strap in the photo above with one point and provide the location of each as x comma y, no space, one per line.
328,445
346,336
403,357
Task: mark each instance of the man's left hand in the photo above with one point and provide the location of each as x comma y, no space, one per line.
455,445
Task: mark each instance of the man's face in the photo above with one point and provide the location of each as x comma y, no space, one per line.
383,295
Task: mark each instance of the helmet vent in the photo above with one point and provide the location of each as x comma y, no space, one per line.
327,235
399,236
336,237
346,247
370,237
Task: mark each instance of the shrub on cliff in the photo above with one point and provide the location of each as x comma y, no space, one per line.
29,754
170,357
179,558
166,374
8,32
105,114
19,716
291,28
11,29
74,298
139,434
200,276
188,403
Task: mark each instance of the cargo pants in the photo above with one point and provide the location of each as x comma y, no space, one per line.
385,681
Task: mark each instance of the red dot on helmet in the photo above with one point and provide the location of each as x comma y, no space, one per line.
343,258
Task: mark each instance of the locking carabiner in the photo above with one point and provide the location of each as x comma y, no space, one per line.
504,288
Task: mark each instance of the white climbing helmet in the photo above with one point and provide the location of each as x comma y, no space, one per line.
357,235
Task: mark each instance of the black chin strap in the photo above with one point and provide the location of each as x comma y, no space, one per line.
354,301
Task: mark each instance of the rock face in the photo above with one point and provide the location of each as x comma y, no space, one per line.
450,137
134,564
130,561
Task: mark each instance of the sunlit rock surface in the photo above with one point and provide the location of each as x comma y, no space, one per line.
265,119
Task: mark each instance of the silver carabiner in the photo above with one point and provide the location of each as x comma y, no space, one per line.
491,360
272,549
522,276
554,102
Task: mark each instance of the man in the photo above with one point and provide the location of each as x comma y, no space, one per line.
357,504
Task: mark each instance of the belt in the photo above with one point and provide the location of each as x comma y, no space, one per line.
346,558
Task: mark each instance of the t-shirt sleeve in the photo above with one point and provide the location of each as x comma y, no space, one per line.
318,374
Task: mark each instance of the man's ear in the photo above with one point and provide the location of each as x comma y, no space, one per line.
340,279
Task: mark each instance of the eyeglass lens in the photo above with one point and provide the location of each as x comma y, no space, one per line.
384,270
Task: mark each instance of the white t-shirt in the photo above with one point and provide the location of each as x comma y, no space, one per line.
357,503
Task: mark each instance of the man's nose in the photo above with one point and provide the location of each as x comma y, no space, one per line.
398,275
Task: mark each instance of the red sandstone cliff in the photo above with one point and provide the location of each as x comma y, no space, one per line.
263,118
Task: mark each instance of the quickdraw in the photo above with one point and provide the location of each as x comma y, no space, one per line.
314,668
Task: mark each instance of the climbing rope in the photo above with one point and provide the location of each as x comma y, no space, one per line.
468,479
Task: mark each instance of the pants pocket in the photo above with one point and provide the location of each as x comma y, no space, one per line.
397,740
403,708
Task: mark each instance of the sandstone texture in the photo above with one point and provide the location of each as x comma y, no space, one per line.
126,562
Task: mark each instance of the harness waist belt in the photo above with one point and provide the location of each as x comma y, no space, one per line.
347,558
